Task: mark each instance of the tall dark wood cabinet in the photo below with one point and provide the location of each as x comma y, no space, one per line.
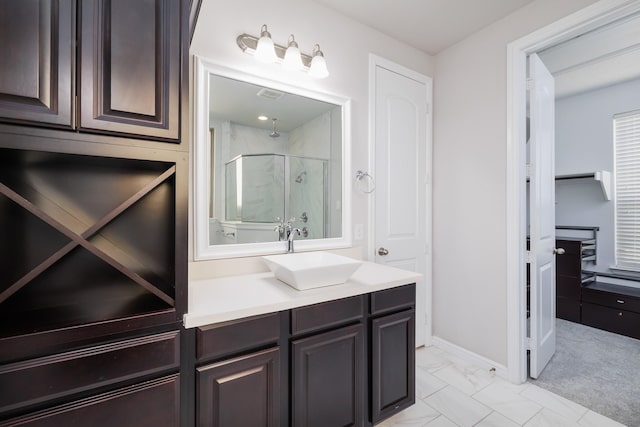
93,215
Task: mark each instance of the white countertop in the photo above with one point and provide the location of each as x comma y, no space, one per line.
230,298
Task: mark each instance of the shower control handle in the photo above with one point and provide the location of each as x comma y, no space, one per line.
383,252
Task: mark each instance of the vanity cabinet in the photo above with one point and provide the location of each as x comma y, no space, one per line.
242,385
392,352
127,76
243,391
345,362
328,384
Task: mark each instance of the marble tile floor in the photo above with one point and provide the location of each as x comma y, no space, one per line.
451,392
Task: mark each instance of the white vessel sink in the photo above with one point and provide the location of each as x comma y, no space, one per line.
306,270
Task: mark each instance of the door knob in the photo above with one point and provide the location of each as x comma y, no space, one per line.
558,251
383,252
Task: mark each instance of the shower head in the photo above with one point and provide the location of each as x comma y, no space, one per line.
301,177
274,133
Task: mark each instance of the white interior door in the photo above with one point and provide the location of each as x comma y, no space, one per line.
402,214
542,341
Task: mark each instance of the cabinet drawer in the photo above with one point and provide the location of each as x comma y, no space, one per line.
153,403
602,295
326,314
393,299
612,320
222,339
37,380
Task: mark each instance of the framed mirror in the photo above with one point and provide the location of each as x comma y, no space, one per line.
265,155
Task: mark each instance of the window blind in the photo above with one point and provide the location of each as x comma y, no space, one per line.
627,184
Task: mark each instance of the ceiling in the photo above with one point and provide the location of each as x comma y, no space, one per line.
603,57
428,25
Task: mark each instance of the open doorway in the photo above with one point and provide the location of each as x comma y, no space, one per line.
597,84
582,221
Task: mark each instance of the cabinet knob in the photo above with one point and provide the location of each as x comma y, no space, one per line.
558,251
383,252
619,313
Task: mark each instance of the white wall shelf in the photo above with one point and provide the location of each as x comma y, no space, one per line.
604,177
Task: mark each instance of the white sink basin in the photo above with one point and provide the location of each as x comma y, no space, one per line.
306,270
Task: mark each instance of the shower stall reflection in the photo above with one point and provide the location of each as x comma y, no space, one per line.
264,190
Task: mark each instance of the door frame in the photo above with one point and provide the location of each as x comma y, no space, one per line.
374,62
580,22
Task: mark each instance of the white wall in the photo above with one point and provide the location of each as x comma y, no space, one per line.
346,45
584,143
469,185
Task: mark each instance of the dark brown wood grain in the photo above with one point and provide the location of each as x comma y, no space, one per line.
243,391
37,70
130,67
328,378
392,364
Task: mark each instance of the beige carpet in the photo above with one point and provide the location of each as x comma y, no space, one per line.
596,369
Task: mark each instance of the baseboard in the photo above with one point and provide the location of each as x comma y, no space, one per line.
471,357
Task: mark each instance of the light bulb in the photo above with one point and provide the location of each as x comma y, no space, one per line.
292,58
318,68
265,50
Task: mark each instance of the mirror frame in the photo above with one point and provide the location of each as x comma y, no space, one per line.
202,168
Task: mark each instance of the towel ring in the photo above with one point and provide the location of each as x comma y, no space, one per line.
365,182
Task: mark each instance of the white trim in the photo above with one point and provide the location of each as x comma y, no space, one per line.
374,62
589,18
201,167
471,357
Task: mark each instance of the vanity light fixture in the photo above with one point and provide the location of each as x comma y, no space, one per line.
290,56
292,59
318,66
265,49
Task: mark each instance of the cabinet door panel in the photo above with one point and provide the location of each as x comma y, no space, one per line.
130,67
328,375
36,70
392,364
244,391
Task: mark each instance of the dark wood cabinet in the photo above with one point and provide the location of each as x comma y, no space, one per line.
129,70
570,277
130,67
392,351
93,254
392,364
611,307
37,70
328,378
244,384
153,403
243,391
344,362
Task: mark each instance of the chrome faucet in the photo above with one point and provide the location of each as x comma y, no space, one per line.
292,232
